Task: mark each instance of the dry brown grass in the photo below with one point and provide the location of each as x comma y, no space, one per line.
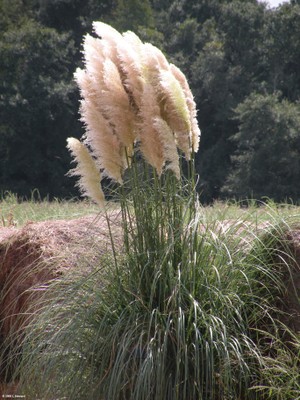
32,256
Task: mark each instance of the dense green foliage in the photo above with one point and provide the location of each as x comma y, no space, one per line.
242,61
267,148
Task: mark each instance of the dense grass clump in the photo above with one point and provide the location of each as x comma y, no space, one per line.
189,309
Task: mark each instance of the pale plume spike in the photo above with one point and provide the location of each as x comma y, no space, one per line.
106,31
116,105
95,106
90,89
175,111
133,41
131,66
169,146
153,61
154,51
86,170
150,141
94,54
104,143
196,133
110,38
85,84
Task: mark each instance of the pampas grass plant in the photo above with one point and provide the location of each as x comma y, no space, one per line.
187,308
196,318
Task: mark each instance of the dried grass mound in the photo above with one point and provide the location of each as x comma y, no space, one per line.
31,256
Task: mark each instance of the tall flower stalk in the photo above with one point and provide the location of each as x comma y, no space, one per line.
140,119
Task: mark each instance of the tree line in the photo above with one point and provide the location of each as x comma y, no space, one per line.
241,59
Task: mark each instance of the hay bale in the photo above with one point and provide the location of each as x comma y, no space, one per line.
31,256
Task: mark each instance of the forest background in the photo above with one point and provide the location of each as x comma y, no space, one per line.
242,61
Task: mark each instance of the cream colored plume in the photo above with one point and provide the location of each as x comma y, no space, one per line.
90,90
160,60
104,143
179,75
106,32
150,142
101,111
89,175
110,38
131,98
133,41
153,61
87,87
175,111
130,56
170,153
116,105
94,54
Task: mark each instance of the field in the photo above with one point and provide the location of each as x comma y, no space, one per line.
17,212
214,315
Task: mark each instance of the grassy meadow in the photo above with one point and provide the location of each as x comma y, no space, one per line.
15,211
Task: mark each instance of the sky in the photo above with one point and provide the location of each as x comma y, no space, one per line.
275,3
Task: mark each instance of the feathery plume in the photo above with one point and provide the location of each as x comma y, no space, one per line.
86,85
110,38
150,141
130,56
100,134
196,133
104,143
154,52
130,93
179,75
94,54
175,110
133,41
116,105
89,175
107,32
170,153
153,61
